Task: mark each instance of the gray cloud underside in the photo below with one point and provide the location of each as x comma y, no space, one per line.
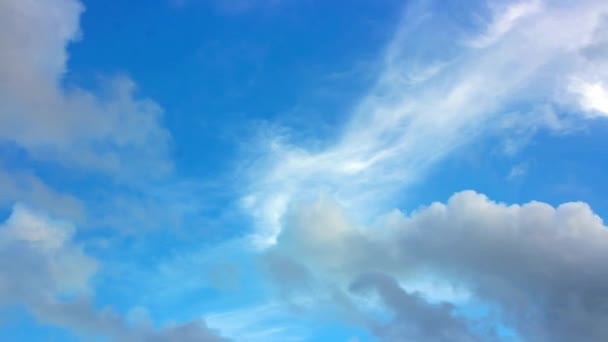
541,269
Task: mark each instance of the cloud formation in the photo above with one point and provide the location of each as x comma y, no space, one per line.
45,270
536,269
26,187
414,318
539,269
504,18
111,131
436,95
593,96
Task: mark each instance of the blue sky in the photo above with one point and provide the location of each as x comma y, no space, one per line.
300,170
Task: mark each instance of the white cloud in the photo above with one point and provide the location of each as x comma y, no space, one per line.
503,20
113,131
21,186
593,96
539,268
401,129
44,269
39,258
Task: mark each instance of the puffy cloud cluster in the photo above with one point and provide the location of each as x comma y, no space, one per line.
44,269
39,260
111,131
539,270
534,268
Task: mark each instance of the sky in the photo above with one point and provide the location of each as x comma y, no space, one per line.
303,170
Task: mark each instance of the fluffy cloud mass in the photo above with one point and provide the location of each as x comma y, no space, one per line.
51,279
536,270
50,264
111,131
540,270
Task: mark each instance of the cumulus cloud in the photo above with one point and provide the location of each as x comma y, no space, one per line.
22,186
49,263
112,131
400,128
538,268
44,269
107,130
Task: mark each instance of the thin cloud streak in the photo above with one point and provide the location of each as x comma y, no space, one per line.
406,124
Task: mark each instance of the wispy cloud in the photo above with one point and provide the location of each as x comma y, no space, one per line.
401,128
266,322
504,18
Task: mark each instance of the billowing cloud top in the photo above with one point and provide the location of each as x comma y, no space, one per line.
539,269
